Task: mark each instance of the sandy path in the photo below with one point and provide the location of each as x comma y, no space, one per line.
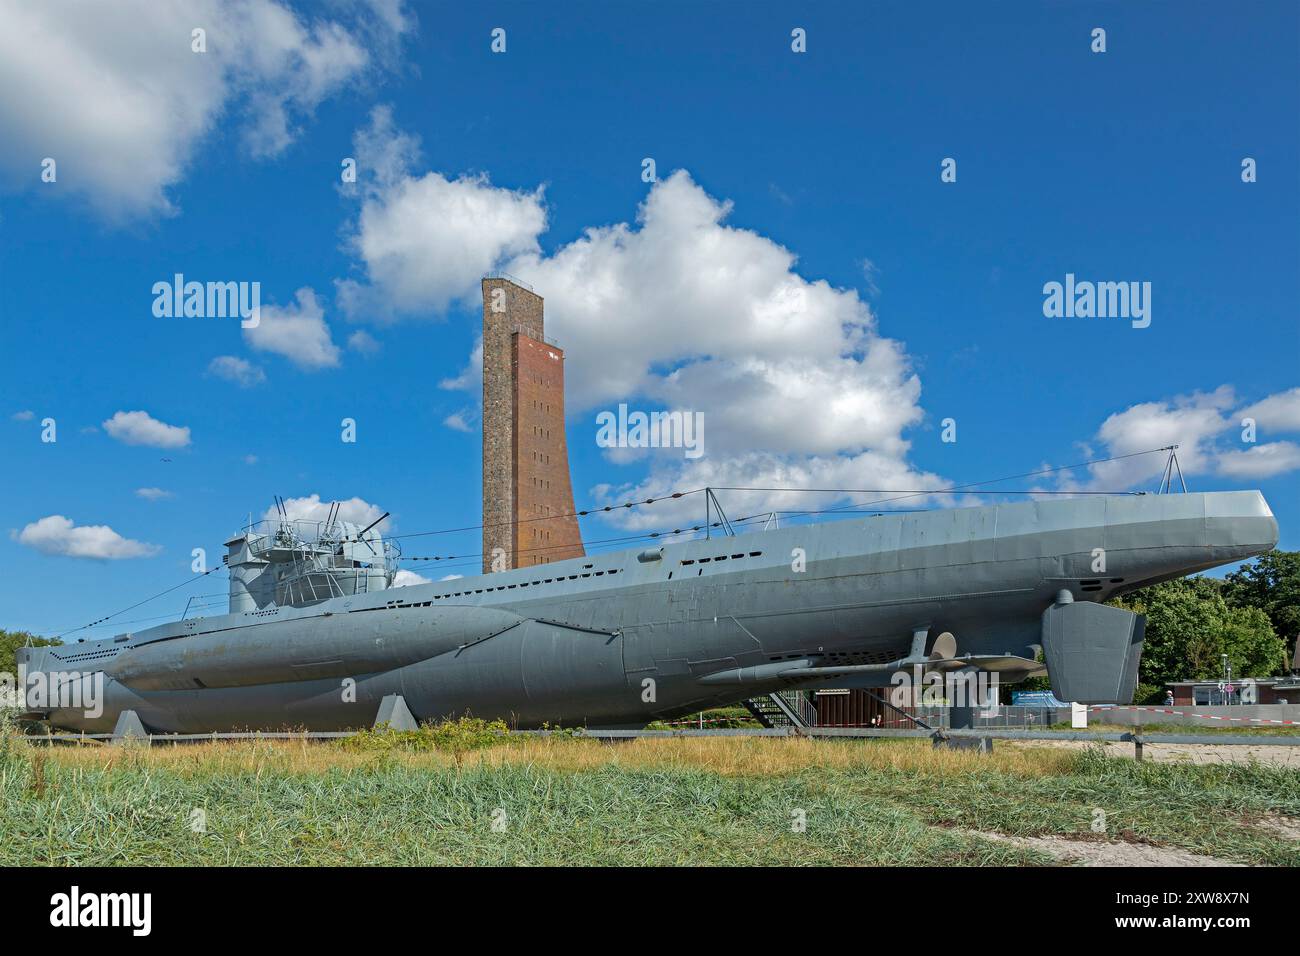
1186,753
1105,852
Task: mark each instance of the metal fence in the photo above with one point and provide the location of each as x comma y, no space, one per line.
1001,717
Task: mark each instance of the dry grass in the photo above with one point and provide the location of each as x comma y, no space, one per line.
730,757
571,801
563,801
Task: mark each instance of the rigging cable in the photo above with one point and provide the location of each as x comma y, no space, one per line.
903,495
682,494
219,567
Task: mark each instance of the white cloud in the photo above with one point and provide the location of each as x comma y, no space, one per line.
363,342
871,275
140,428
312,508
425,241
1261,461
294,69
405,578
234,369
458,421
385,154
250,459
1189,421
1205,429
115,94
152,494
1277,413
679,311
690,313
866,470
470,378
24,416
296,331
55,534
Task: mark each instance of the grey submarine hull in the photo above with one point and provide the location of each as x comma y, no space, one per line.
628,637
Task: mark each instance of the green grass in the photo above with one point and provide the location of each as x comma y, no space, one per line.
1209,809
579,802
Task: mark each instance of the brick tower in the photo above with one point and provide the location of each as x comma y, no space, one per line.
525,458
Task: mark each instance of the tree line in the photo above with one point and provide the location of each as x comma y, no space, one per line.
1252,616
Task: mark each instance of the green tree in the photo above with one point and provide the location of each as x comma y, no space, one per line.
1190,626
1271,583
1251,644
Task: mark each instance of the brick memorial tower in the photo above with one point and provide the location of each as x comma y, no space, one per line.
526,481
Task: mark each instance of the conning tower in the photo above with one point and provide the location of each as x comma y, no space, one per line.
297,563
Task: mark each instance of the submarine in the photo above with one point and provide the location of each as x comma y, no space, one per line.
316,636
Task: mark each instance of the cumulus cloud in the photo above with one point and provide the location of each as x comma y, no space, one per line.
234,369
1190,421
141,428
470,378
683,311
404,579
363,342
1277,413
312,508
55,534
26,415
1206,430
152,494
763,470
116,96
424,241
677,311
296,331
1261,461
459,421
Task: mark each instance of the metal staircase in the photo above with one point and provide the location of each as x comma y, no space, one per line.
785,708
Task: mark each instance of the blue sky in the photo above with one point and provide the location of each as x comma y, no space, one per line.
825,322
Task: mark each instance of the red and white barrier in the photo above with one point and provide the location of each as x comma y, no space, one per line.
1192,713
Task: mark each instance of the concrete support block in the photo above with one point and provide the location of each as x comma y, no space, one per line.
128,727
394,714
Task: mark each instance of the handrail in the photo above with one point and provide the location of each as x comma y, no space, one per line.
509,278
521,329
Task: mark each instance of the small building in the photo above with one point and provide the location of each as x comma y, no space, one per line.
857,708
1216,693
